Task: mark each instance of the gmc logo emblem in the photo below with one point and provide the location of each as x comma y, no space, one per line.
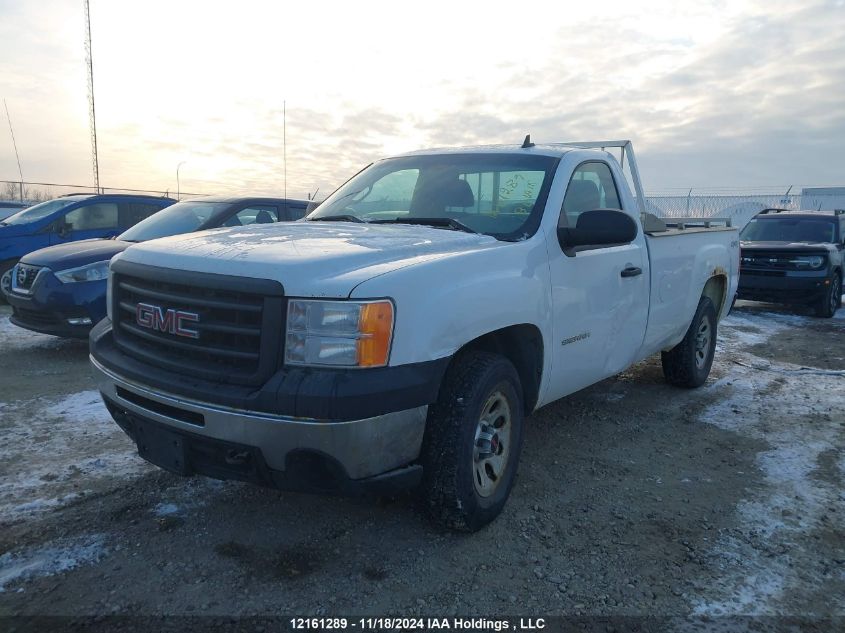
170,321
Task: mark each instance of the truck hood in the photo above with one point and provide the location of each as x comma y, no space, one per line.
787,247
73,254
310,259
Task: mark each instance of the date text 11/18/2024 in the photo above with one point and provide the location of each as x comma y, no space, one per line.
417,624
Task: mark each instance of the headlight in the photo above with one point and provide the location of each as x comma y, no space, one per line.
91,272
810,261
339,333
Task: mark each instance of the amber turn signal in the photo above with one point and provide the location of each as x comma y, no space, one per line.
376,328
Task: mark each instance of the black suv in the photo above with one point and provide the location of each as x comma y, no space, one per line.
794,257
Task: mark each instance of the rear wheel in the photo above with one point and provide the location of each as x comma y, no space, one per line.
688,363
472,442
832,299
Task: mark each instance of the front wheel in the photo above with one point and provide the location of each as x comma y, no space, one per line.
832,299
688,363
472,441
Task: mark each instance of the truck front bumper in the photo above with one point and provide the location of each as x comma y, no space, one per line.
374,454
795,287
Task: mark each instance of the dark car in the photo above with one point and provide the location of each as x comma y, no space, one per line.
795,258
72,218
61,290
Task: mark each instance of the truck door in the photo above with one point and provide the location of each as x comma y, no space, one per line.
87,222
600,296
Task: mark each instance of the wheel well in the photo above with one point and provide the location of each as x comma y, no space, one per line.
522,345
715,289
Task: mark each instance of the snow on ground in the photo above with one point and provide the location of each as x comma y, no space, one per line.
14,337
57,557
53,452
796,500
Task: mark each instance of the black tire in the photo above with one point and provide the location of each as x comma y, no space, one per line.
688,363
455,493
832,299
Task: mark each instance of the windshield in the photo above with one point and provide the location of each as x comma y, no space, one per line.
182,217
789,230
39,211
496,194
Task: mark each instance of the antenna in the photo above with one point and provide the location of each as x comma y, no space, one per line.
285,144
14,143
92,119
527,142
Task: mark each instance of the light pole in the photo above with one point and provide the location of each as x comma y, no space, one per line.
178,188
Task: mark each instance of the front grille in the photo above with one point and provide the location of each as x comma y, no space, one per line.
34,317
23,277
772,261
231,334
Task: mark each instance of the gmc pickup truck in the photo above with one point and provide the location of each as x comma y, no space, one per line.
402,332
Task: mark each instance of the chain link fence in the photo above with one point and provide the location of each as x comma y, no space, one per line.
740,207
29,193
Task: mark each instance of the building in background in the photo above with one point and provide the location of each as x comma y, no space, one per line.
823,198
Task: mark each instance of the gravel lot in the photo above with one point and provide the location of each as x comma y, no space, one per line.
633,497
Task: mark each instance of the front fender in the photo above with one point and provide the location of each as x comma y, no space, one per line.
442,305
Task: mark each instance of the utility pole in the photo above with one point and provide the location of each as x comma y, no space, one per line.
92,118
178,187
15,145
285,144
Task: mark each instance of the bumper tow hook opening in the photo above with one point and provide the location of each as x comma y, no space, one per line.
237,458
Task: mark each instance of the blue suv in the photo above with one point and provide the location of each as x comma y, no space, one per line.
69,219
61,290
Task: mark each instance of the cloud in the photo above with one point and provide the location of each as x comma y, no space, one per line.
713,94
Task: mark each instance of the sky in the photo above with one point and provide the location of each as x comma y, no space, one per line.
714,94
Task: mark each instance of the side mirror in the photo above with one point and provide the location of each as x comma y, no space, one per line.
597,228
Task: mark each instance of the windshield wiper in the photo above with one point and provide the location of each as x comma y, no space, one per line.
438,223
345,217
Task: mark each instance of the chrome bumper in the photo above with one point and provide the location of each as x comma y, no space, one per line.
364,448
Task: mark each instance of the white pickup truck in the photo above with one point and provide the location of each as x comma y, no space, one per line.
399,336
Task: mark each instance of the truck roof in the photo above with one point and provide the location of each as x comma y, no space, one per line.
802,213
548,149
555,150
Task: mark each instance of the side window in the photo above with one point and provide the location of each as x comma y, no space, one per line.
133,212
92,217
591,187
295,211
255,214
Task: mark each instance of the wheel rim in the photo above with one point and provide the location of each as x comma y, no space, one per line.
702,343
492,444
834,296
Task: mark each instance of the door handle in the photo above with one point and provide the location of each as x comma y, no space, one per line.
631,271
